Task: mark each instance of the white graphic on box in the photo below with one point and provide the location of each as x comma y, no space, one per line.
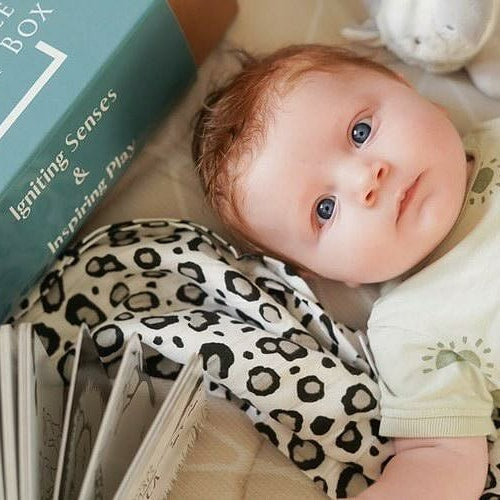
58,58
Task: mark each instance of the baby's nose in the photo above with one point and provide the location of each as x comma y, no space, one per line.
375,174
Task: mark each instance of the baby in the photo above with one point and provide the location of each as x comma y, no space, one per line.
337,165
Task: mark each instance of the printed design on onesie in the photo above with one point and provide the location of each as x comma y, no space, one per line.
486,182
464,350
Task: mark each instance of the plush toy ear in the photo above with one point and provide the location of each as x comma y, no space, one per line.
366,33
484,69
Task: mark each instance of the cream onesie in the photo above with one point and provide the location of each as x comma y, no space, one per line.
435,337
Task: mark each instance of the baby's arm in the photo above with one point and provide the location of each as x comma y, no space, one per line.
444,468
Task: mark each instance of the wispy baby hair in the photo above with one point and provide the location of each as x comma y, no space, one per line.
234,118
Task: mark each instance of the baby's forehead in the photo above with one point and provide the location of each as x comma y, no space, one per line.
295,98
346,79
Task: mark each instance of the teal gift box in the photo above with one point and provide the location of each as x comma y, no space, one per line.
80,84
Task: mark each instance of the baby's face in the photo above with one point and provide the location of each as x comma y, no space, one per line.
360,177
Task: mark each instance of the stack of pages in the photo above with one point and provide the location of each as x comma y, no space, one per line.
99,437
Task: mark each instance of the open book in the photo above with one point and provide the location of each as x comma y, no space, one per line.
100,437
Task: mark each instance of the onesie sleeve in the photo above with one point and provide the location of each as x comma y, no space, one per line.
429,387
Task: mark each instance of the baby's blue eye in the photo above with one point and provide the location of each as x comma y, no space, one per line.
325,209
361,131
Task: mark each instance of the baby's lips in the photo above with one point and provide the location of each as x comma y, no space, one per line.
406,196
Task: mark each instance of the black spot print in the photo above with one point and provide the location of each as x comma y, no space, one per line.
329,328
328,363
108,340
268,432
191,294
294,369
353,476
124,316
248,319
291,419
358,398
491,482
321,483
156,274
123,238
158,341
286,349
306,319
310,389
159,322
165,240
278,291
305,453
192,270
350,440
49,337
262,381
351,369
142,301
201,320
155,224
241,285
65,364
375,430
147,258
118,294
52,292
270,313
177,341
321,425
212,353
302,338
99,266
198,244
80,309
248,355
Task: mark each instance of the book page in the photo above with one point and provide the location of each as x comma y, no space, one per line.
2,496
41,404
26,437
132,406
155,465
88,394
8,398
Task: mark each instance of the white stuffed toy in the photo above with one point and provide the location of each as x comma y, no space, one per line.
438,35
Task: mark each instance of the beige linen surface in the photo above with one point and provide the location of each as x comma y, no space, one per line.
231,460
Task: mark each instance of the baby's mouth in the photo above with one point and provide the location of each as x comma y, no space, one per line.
407,197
